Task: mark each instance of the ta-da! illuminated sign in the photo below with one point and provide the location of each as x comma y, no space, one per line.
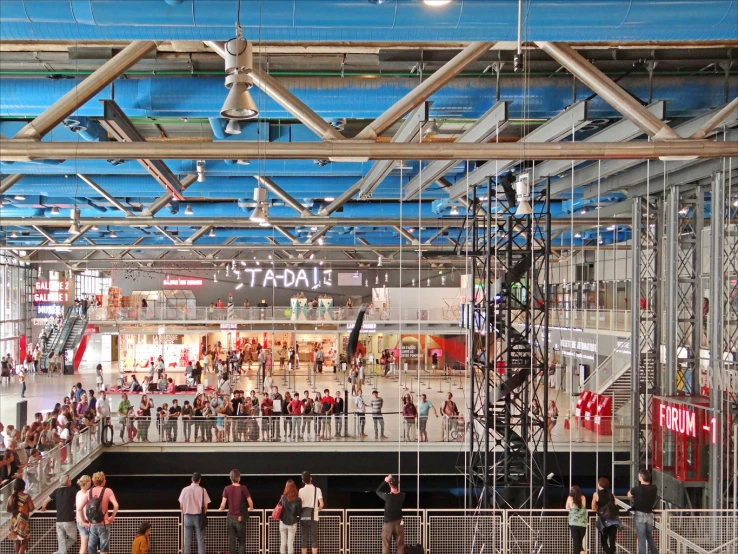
306,278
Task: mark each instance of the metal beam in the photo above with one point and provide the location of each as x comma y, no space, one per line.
122,129
318,234
74,238
620,131
407,235
436,235
84,91
9,181
608,90
274,242
166,198
422,92
606,168
199,233
554,130
717,118
287,100
280,193
250,247
136,242
22,151
43,233
102,192
175,240
286,233
408,132
245,223
486,127
226,243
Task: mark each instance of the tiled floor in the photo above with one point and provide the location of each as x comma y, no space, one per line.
44,391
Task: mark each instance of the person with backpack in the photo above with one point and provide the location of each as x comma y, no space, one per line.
578,520
311,498
608,520
94,508
289,518
236,496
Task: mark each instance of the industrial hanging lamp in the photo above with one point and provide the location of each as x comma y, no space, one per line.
233,127
522,188
200,171
189,210
239,61
74,227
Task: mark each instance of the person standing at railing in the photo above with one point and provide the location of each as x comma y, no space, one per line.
392,528
266,416
193,501
123,406
311,498
338,411
20,505
144,422
308,409
576,503
644,496
608,521
553,416
236,496
360,412
94,509
187,420
142,542
83,527
450,414
377,403
64,502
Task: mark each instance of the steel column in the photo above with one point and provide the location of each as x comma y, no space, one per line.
422,92
98,80
717,275
608,90
635,342
24,151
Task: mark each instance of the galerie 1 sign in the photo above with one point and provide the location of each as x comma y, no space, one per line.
51,292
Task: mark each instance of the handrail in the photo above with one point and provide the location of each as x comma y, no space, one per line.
595,382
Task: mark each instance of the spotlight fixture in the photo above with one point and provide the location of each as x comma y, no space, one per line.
379,261
94,228
188,210
54,210
578,235
113,235
522,188
258,215
329,199
584,211
19,197
454,210
243,162
233,127
74,227
376,280
200,171
238,65
413,282
13,235
212,233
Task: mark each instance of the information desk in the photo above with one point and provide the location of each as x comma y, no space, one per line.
115,394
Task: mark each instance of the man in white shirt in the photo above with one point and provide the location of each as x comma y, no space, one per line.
360,414
193,501
312,501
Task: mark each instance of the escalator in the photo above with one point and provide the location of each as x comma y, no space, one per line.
68,338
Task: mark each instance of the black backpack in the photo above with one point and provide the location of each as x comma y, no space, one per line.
93,510
607,509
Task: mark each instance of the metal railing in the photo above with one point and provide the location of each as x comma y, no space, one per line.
42,474
439,531
277,313
603,320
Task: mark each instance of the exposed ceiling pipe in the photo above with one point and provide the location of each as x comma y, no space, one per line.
166,198
424,90
12,151
84,91
9,181
254,247
608,90
287,100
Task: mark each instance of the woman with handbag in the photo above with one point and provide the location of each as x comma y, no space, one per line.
608,521
287,512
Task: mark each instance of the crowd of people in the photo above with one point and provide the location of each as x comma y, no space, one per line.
91,508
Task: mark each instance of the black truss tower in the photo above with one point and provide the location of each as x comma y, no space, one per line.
508,334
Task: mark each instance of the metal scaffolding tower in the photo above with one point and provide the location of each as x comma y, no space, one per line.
507,319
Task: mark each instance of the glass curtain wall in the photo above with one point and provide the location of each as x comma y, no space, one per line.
91,283
15,301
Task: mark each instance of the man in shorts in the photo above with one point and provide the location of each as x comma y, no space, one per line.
424,407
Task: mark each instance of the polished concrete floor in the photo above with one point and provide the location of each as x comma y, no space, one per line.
44,391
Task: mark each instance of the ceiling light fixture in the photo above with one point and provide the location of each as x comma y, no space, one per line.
13,235
74,227
200,171
578,235
522,188
94,228
454,210
233,127
212,233
238,65
329,199
54,210
379,261
258,215
436,3
188,210
19,197
113,235
321,241
243,162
